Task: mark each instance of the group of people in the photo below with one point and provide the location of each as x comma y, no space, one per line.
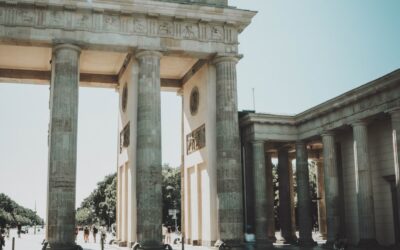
94,229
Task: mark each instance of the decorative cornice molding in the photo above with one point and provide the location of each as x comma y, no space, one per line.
141,18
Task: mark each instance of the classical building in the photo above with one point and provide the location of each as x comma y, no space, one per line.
139,48
142,47
354,142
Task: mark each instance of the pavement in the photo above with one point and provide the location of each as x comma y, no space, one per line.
33,241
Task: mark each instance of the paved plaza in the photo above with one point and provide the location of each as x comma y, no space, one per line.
33,241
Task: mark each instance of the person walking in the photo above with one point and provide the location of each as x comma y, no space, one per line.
168,236
86,234
19,229
2,241
94,231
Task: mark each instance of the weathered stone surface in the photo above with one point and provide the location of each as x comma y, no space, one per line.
270,195
366,217
260,189
303,194
331,186
395,119
149,178
285,201
62,147
229,170
321,201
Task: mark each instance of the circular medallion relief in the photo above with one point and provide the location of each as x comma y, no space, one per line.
194,100
124,98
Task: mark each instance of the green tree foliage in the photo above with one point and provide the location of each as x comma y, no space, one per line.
171,190
100,206
12,214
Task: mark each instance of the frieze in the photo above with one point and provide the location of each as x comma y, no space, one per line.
122,23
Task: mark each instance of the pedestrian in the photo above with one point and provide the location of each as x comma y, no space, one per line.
168,236
103,233
76,232
94,231
86,234
164,233
19,229
2,241
8,231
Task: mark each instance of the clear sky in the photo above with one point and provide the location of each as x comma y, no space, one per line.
297,54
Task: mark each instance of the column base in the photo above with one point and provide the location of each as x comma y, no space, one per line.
288,240
306,243
231,245
263,244
137,246
63,247
368,244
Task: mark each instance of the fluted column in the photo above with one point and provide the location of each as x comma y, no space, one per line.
260,190
229,169
270,198
63,147
303,194
331,186
395,115
285,204
149,178
321,201
366,217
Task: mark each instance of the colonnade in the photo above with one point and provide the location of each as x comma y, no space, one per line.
63,145
328,188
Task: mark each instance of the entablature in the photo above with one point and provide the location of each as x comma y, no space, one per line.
140,23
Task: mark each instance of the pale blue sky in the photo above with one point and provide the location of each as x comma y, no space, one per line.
297,54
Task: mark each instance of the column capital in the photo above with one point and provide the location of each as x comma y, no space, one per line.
143,53
359,123
300,143
253,142
328,133
235,58
66,46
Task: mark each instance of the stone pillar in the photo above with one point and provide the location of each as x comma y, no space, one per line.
395,115
229,168
285,204
331,187
260,188
366,217
270,199
321,201
148,162
303,196
62,147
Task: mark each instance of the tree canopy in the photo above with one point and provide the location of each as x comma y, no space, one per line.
13,214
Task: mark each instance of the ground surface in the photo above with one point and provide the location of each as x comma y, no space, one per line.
33,241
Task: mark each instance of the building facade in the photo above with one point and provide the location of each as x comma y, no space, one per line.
353,140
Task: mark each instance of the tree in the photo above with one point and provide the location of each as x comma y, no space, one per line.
12,214
171,193
100,206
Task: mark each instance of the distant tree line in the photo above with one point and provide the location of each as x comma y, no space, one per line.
13,214
100,206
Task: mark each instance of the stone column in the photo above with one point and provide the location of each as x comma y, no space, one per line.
148,162
285,204
62,147
260,188
331,187
229,168
303,196
321,201
395,115
366,217
270,199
